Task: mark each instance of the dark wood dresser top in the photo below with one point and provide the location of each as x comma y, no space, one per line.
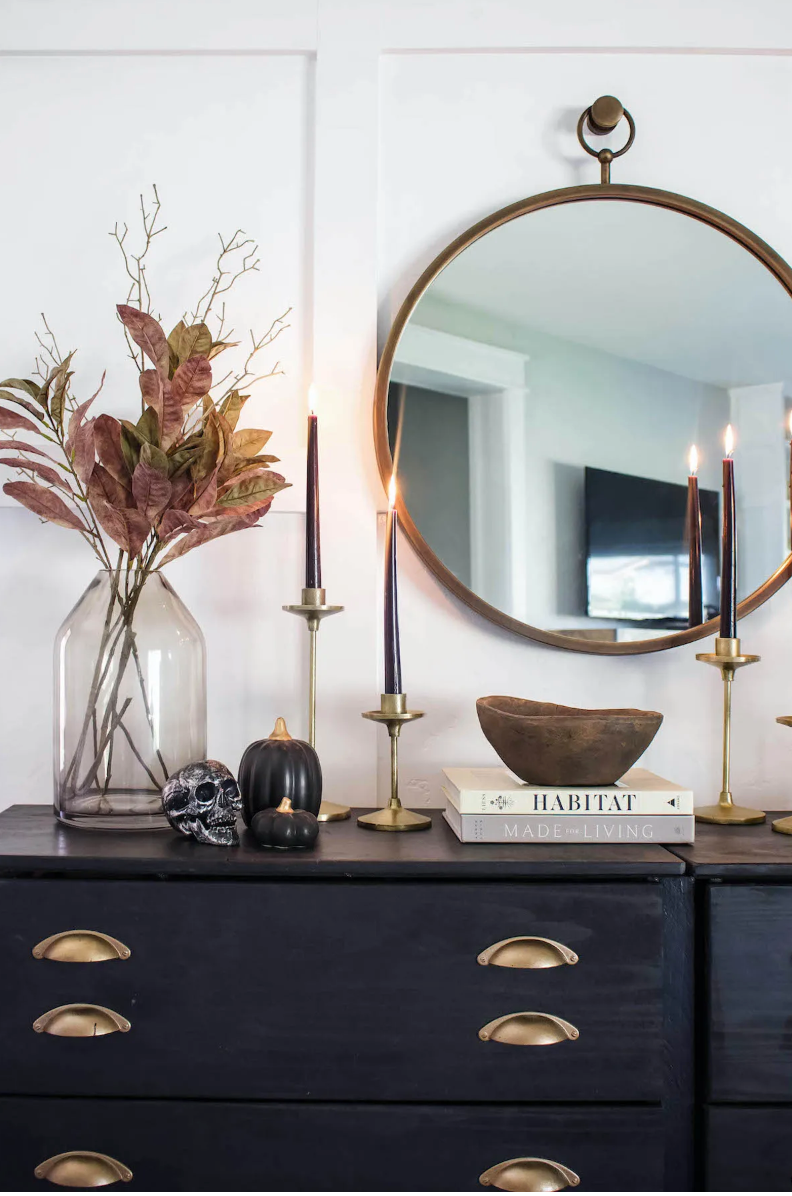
739,852
32,842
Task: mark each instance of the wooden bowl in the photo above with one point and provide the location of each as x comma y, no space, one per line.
545,744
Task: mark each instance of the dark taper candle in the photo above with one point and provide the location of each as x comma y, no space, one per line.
393,681
693,531
313,551
728,585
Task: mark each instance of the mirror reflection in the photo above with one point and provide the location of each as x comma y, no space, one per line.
554,377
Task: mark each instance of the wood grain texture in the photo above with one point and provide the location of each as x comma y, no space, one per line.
31,841
750,993
335,991
738,852
678,1033
210,1147
748,1150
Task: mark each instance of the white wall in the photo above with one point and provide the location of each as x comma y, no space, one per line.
356,137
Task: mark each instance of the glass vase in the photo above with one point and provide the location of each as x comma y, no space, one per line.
130,701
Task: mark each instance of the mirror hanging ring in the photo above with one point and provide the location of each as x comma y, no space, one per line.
600,119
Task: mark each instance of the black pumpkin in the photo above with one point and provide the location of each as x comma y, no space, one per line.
282,826
279,767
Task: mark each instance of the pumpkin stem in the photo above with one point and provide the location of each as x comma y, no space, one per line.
281,730
285,807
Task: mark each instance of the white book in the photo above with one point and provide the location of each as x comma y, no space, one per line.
496,791
570,828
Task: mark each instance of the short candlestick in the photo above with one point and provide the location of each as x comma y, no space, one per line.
394,714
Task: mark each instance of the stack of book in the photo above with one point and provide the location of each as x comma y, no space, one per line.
489,805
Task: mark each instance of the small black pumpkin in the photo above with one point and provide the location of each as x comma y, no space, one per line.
279,767
282,826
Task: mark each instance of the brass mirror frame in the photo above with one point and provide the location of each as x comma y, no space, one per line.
549,199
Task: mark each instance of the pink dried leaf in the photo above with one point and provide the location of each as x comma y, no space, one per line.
203,534
128,528
104,488
107,438
147,334
253,512
192,380
78,415
205,494
171,420
21,446
173,523
151,491
152,390
9,420
46,472
44,503
84,451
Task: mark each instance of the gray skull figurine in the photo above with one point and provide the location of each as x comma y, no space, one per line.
202,801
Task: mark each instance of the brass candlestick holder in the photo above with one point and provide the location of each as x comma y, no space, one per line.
394,713
727,657
784,825
313,609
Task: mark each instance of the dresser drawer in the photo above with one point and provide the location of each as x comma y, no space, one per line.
750,993
749,1150
335,990
210,1146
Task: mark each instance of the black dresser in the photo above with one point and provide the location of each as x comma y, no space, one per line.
337,1020
394,1012
743,890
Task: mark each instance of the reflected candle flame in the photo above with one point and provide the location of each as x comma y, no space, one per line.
693,460
392,492
728,440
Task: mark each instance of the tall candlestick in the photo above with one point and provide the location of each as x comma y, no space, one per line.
313,552
393,681
728,590
695,608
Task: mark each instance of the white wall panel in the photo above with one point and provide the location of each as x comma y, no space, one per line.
354,170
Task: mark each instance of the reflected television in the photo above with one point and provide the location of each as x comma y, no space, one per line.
636,549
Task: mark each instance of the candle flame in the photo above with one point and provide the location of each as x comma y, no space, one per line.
392,492
728,440
312,396
693,460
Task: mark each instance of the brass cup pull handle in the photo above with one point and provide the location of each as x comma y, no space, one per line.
527,951
528,1029
80,1021
82,1169
529,1175
80,946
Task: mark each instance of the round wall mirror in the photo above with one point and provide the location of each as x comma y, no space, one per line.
551,371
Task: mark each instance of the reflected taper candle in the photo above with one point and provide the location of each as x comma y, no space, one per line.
313,552
393,681
693,530
728,583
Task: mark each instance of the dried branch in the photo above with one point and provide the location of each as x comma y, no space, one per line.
138,294
228,270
